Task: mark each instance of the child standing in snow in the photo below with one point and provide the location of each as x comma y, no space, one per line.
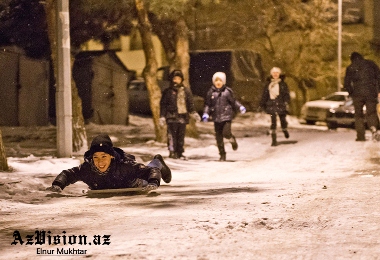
176,106
275,100
220,106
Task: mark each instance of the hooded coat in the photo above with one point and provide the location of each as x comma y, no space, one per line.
123,173
221,104
168,104
279,104
362,77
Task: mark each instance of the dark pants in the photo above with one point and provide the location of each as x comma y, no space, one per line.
222,130
371,114
273,118
176,137
155,163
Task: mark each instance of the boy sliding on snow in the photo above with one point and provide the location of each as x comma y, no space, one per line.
109,167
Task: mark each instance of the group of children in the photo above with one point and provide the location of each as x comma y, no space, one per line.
109,167
220,107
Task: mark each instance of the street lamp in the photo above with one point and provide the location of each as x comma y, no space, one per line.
63,93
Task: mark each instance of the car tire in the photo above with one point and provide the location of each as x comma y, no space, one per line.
332,125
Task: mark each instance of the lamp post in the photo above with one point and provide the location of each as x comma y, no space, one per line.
63,92
339,43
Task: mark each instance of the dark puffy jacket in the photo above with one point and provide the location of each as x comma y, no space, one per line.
123,172
278,105
168,105
221,104
362,78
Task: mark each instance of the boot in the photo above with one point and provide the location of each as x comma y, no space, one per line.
375,134
233,143
274,139
222,157
171,154
286,133
166,173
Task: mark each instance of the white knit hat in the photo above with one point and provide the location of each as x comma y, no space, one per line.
275,69
219,75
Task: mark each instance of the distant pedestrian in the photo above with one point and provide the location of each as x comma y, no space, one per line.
362,83
220,106
176,107
275,101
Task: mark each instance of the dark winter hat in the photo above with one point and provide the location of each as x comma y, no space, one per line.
175,73
102,143
356,56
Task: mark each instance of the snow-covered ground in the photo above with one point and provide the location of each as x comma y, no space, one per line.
314,196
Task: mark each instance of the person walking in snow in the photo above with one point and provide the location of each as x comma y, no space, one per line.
362,81
109,167
220,107
275,100
176,107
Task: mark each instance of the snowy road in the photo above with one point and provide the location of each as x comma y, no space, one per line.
315,196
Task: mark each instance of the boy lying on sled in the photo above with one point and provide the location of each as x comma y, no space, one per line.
109,167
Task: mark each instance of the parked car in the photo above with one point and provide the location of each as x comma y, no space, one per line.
317,110
139,97
342,116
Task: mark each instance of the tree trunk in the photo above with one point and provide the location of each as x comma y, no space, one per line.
80,145
79,132
3,157
182,61
150,69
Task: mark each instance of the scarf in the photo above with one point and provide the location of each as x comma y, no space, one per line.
181,101
274,88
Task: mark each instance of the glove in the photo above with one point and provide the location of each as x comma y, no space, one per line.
205,117
243,109
162,121
54,188
287,108
150,186
196,116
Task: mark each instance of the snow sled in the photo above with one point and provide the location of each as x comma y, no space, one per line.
115,191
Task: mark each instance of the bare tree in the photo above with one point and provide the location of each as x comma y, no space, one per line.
170,25
151,66
298,36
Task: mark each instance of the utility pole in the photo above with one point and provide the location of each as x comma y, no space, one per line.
63,92
339,43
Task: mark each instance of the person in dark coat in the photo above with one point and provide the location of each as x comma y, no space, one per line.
109,167
220,107
362,83
274,101
176,107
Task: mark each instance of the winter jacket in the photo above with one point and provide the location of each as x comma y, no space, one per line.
123,172
279,104
362,78
168,105
221,104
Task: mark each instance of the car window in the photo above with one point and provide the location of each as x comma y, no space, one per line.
349,102
335,97
133,86
137,86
